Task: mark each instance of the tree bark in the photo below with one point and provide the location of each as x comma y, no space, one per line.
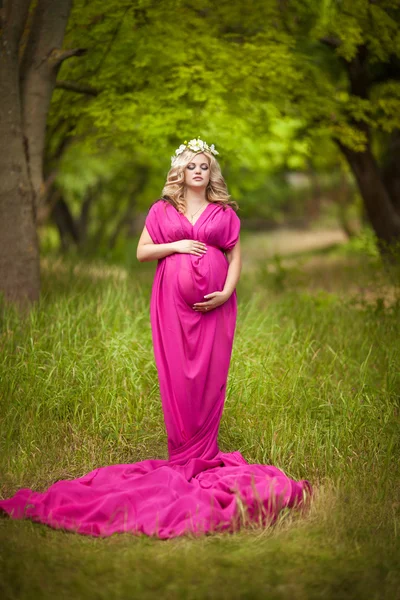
19,248
379,208
40,64
26,85
62,217
391,169
79,88
343,201
313,202
83,223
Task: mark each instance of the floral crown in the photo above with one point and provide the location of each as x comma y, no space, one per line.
194,145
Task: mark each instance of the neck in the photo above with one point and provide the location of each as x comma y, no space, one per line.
195,198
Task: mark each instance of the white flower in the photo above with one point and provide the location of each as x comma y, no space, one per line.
213,150
181,148
196,145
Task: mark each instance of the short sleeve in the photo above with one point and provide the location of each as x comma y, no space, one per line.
231,229
153,222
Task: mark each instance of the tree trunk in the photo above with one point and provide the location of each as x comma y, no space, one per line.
39,67
19,248
313,202
379,206
65,222
391,169
343,201
83,223
25,91
380,210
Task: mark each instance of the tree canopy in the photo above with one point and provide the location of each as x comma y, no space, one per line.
271,85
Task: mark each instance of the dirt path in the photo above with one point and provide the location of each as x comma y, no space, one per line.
291,241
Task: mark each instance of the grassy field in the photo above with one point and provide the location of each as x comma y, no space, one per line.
314,388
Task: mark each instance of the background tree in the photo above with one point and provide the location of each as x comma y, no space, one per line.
283,85
347,59
31,38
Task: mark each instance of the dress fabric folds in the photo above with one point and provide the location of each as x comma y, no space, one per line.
199,489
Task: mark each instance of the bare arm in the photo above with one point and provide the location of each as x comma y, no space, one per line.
235,266
147,250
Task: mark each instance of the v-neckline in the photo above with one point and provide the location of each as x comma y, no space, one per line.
199,218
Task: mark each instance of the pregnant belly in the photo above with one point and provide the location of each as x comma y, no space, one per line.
200,275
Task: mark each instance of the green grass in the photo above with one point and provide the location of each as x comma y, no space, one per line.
314,388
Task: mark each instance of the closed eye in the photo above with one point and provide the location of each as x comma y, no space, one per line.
192,166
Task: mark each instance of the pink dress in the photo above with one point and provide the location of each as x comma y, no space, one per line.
197,489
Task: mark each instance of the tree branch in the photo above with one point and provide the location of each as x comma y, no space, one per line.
111,41
79,88
357,70
330,41
57,56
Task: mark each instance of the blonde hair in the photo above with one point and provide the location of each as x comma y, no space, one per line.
174,188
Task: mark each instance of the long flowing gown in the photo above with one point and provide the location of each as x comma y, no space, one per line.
199,489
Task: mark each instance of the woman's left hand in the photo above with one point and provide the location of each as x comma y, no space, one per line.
214,299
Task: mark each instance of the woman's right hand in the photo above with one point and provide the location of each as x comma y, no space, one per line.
190,247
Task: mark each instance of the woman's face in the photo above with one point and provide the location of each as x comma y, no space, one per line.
197,172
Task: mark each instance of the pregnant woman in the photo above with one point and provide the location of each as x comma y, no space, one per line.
193,233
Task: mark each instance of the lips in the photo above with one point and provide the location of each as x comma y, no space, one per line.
200,178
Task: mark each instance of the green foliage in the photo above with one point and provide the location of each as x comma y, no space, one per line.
157,86
222,67
268,85
363,244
